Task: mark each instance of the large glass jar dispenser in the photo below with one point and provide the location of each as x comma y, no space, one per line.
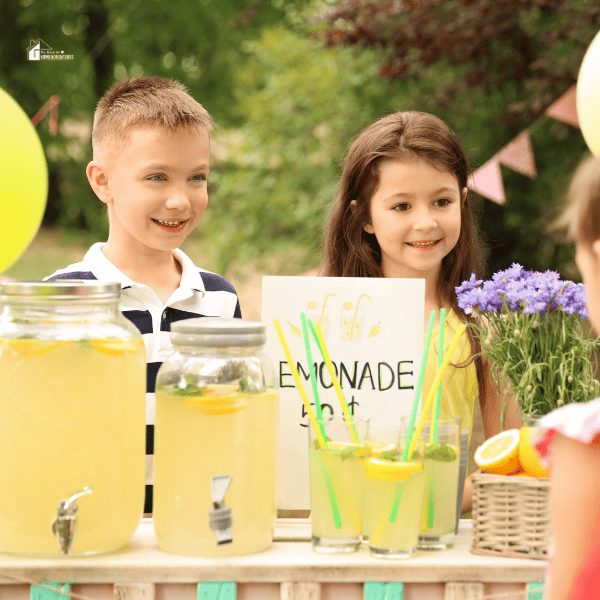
215,440
72,419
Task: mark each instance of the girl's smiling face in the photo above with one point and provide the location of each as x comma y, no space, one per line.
415,216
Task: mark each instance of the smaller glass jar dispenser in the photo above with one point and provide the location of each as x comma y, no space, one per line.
72,419
215,440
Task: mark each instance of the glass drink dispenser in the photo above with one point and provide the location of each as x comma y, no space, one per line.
72,419
215,445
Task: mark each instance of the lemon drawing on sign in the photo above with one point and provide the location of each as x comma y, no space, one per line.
527,455
295,330
354,332
500,453
375,329
347,305
320,314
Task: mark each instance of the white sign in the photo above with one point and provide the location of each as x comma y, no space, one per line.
373,330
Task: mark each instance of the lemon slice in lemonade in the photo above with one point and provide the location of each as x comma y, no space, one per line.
500,453
33,347
113,347
346,449
218,402
381,469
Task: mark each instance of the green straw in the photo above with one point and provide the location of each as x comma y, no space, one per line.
318,335
438,398
313,374
415,406
413,414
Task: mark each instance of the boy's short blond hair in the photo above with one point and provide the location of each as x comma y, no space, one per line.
144,101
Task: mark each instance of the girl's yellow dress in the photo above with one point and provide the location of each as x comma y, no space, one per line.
459,384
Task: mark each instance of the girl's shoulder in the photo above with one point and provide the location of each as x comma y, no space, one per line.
578,421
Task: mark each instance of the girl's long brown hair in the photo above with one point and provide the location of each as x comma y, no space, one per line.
349,251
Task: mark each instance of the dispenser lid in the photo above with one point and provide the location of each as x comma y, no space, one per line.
60,289
214,331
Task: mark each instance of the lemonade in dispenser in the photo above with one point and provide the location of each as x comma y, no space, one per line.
215,446
72,419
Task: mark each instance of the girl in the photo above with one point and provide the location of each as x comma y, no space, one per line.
402,210
570,436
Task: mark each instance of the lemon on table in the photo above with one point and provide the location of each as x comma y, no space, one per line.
527,455
381,469
500,453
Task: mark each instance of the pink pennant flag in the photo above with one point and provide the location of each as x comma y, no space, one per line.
565,108
487,181
518,155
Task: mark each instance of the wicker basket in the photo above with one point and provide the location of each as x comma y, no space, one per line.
511,516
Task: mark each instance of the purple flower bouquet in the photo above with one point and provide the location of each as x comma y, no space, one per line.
531,328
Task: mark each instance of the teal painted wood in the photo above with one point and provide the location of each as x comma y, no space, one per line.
217,590
37,592
535,590
376,590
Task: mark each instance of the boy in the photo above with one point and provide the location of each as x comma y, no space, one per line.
150,143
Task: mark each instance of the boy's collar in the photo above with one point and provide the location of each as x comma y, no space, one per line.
104,269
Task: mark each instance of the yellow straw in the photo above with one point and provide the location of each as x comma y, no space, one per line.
336,383
307,406
432,391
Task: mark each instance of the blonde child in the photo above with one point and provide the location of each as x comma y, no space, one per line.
569,438
150,143
402,210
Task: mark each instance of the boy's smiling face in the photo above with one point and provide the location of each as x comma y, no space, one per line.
155,187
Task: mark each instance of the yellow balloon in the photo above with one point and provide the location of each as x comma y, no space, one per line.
23,181
588,96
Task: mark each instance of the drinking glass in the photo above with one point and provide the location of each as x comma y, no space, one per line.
393,495
336,484
441,465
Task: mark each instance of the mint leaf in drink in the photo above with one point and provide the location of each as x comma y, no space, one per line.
440,453
187,386
393,455
348,452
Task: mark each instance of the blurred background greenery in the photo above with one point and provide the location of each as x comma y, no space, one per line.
290,83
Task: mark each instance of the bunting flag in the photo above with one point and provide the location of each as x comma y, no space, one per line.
50,107
518,155
565,108
487,181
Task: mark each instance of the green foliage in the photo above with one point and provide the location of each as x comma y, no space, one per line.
300,105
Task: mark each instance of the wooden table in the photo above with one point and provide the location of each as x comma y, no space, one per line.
289,570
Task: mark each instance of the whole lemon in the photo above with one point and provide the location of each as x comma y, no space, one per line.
527,455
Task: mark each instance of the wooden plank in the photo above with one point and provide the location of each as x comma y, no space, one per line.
300,590
464,591
133,591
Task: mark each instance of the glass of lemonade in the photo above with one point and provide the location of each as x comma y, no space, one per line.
393,495
441,467
336,484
